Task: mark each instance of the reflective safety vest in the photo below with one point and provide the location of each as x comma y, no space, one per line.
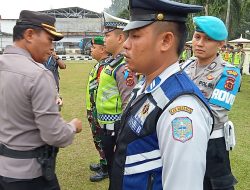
91,81
226,56
230,60
92,85
237,58
184,55
109,102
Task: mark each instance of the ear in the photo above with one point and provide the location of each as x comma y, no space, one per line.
121,38
29,34
102,49
166,41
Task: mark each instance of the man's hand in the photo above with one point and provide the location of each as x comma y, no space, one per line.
78,124
59,101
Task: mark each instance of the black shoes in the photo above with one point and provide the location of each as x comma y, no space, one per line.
95,167
98,176
100,172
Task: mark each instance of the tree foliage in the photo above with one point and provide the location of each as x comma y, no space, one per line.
117,7
239,18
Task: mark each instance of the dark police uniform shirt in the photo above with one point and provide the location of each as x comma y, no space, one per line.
162,149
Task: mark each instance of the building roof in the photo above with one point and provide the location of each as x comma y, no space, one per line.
72,12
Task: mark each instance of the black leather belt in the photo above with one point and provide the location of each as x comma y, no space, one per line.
18,154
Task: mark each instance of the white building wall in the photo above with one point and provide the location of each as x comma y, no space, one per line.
4,41
6,25
80,25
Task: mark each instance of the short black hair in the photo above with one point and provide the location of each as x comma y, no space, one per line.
19,30
119,31
181,33
179,30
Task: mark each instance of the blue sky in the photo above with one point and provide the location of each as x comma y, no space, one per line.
10,9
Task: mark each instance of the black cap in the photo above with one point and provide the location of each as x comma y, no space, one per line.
145,12
39,19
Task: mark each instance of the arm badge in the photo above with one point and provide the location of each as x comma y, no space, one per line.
182,129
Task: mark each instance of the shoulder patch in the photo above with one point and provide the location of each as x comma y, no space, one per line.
227,88
182,129
130,80
108,70
179,109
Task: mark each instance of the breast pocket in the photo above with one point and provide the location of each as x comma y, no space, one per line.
206,86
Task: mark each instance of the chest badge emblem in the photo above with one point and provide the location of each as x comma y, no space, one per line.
210,77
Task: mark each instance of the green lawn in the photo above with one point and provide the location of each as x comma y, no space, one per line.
73,162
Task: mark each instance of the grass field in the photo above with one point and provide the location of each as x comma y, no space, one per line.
73,162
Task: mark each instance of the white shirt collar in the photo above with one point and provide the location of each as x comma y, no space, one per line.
169,71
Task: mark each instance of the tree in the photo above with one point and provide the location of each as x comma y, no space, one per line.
235,13
228,13
124,14
117,6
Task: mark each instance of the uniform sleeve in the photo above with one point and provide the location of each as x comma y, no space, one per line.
220,115
53,130
183,132
242,59
125,86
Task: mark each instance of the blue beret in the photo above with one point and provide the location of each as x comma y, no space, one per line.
212,26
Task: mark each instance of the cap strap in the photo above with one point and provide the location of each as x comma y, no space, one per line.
154,17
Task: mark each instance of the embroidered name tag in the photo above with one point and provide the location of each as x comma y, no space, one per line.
179,109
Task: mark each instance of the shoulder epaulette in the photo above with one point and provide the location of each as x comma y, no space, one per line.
116,61
187,63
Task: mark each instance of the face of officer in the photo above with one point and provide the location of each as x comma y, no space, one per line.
204,48
113,41
97,51
223,48
38,43
150,49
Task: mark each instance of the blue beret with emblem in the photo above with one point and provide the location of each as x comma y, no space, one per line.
212,26
112,22
145,12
